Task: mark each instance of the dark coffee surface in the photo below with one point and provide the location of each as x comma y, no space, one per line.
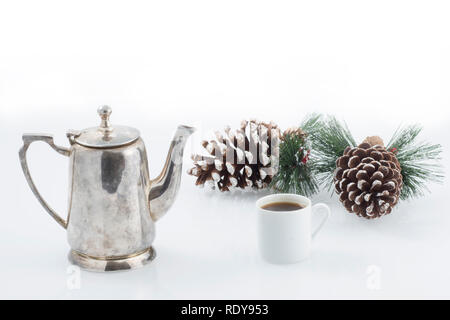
282,206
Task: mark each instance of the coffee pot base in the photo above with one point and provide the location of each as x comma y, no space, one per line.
108,264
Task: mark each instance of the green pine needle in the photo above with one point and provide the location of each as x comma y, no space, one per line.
311,123
418,161
329,141
295,174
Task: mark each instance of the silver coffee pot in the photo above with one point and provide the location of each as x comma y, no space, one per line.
113,204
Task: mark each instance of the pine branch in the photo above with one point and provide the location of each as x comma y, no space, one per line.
419,161
311,123
295,170
329,140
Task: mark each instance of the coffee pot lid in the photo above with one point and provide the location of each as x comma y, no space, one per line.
106,135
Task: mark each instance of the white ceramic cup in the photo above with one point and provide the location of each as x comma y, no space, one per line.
285,236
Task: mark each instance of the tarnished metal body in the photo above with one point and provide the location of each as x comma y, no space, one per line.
109,212
113,204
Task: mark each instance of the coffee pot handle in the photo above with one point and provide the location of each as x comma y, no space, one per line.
27,140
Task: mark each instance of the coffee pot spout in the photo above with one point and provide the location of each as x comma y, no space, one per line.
164,188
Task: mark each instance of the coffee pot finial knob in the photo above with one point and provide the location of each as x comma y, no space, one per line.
104,112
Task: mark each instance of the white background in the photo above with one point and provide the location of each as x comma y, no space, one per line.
210,64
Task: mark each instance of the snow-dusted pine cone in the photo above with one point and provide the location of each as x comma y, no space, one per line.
294,131
368,179
244,158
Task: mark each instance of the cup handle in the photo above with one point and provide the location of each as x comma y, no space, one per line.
317,207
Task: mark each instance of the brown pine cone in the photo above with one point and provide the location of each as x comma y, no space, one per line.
294,131
244,158
368,180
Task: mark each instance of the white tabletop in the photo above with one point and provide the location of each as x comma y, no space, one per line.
206,248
